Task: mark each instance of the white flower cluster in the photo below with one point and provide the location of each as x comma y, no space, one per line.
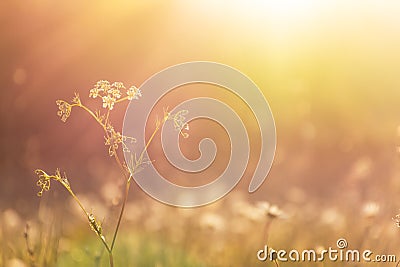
111,93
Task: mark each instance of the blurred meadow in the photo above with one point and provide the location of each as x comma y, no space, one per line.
329,70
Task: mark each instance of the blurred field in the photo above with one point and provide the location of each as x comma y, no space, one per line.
329,70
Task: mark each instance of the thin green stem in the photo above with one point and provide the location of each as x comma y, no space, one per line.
121,99
76,199
91,113
128,184
151,138
110,256
87,214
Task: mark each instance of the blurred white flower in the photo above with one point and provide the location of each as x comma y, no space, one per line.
15,263
370,209
272,211
332,217
263,205
212,221
275,212
11,219
361,168
251,212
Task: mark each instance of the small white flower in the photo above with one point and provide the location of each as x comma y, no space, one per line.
114,93
99,87
275,212
94,93
118,85
370,209
108,102
263,206
102,85
133,93
272,211
115,90
212,221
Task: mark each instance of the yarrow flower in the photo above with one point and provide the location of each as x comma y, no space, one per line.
113,140
118,85
100,86
125,141
64,110
115,90
76,99
179,121
108,102
110,93
44,180
114,93
133,93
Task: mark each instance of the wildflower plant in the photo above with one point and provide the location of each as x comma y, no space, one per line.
110,94
271,212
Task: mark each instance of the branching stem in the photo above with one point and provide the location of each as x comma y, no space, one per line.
110,96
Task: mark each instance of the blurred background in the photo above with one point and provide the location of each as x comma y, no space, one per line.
329,70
